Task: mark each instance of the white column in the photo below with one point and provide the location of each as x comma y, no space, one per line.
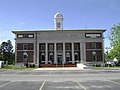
34,61
83,52
73,58
55,54
46,53
15,51
64,59
37,56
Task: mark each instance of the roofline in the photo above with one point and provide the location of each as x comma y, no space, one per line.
46,30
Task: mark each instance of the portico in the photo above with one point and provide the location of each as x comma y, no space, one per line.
59,53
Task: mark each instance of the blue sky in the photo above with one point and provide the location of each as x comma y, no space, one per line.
39,14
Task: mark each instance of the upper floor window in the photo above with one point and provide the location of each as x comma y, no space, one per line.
20,36
51,47
30,36
25,47
93,45
42,47
76,47
67,47
93,35
25,35
59,47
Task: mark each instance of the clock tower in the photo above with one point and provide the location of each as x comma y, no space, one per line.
58,21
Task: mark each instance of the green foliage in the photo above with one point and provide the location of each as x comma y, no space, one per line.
115,42
110,55
6,52
10,67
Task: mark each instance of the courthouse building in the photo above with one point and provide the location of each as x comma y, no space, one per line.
58,47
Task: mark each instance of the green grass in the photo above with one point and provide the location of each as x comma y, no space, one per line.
13,68
107,67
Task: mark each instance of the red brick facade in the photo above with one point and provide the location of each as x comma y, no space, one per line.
94,47
29,50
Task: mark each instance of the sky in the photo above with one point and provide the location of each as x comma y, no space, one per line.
39,14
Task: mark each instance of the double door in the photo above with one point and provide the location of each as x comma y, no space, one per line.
59,59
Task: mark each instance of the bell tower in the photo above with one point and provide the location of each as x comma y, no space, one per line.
58,21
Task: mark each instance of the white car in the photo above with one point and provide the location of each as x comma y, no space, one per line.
110,63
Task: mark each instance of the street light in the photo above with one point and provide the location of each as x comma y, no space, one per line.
94,59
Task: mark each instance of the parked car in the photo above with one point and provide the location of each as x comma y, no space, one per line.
110,63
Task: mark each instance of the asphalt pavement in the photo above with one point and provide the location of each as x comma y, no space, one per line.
60,80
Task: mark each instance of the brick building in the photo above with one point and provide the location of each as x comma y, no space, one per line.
59,47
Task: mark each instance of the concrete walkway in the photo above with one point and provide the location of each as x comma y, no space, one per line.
59,68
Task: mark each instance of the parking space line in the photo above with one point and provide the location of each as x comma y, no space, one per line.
42,85
113,82
81,85
6,84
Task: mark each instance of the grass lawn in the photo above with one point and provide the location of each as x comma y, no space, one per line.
107,67
10,67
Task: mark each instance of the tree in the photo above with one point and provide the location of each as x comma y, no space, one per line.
115,41
6,50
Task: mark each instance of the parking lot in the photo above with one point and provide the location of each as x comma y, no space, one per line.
60,80
56,85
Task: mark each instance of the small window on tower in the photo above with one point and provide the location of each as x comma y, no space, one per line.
58,24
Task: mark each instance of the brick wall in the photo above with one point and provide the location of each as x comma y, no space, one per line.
94,47
29,51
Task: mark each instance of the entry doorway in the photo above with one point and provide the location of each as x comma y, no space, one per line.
59,59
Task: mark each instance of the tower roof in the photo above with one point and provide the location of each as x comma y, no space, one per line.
58,15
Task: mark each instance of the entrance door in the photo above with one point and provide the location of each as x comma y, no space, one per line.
59,59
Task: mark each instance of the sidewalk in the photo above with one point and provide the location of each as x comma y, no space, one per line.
59,68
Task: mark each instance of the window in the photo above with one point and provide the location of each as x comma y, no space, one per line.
59,47
93,45
42,47
25,46
20,36
50,47
67,54
76,47
25,35
58,24
30,36
94,35
67,46
42,58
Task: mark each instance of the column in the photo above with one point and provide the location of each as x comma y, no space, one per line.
55,54
73,58
64,58
83,52
46,53
15,51
34,61
37,53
